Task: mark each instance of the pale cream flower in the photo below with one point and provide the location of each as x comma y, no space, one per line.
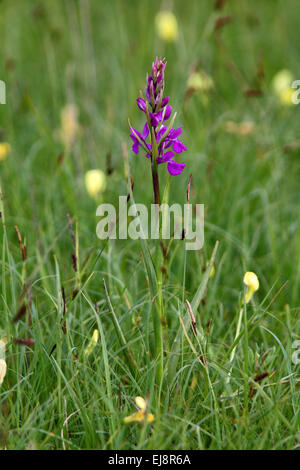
3,343
69,125
193,383
3,366
93,343
200,81
166,26
5,149
252,282
242,128
95,182
3,369
281,81
140,415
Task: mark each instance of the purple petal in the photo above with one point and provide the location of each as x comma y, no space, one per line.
175,168
141,104
167,112
167,143
178,146
135,132
156,118
135,147
165,157
136,144
134,139
175,133
150,83
165,101
145,131
161,132
159,78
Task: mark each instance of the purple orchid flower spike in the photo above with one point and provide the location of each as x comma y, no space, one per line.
165,143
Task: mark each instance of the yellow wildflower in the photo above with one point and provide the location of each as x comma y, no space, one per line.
5,149
92,344
166,26
282,86
252,282
140,415
286,97
95,182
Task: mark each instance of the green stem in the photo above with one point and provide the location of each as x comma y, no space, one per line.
158,311
155,182
246,360
232,355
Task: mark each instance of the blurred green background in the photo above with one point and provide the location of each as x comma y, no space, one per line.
96,55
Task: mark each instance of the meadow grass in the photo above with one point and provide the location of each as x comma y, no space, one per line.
96,55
